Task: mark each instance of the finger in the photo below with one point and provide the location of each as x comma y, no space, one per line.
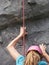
26,32
25,27
42,44
45,46
20,27
39,44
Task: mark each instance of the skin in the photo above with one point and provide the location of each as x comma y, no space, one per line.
11,47
43,48
14,53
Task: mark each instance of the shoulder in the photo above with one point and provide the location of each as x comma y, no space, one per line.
42,63
20,60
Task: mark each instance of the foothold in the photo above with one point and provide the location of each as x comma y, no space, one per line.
31,2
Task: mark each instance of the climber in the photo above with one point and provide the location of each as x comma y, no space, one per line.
34,53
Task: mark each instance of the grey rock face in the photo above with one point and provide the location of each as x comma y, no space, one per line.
15,7
5,58
11,11
36,21
37,30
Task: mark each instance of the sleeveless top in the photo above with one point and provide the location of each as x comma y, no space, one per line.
21,58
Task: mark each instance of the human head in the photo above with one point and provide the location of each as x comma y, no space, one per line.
35,48
33,55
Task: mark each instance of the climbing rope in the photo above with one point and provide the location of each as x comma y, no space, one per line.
23,13
23,26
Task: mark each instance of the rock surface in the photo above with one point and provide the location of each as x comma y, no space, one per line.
11,11
36,21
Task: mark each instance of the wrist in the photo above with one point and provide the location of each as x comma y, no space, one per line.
20,35
44,53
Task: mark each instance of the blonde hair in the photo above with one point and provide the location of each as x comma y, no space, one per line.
32,58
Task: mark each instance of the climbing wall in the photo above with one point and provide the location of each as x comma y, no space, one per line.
36,22
37,30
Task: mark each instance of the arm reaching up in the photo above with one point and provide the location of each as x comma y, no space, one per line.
11,47
43,48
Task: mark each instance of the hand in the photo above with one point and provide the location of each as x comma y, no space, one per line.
23,31
43,48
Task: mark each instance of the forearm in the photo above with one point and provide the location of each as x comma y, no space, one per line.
14,42
13,52
46,56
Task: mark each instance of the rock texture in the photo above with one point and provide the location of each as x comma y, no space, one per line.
36,21
11,11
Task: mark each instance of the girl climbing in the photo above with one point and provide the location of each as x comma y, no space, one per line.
34,53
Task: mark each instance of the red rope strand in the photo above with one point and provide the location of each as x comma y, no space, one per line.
23,14
23,26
